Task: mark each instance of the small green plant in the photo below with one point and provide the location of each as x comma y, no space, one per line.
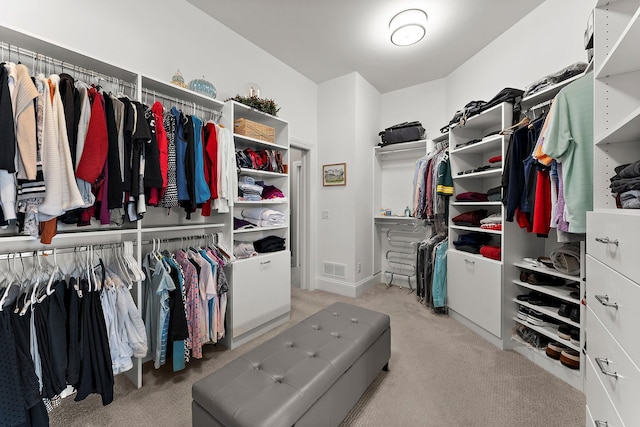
265,105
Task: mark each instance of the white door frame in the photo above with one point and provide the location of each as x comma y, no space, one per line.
304,214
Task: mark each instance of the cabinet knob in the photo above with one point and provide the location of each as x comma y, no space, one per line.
604,361
604,300
468,261
265,262
599,423
606,241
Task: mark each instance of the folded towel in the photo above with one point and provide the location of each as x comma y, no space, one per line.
263,214
250,188
494,218
266,223
491,226
492,252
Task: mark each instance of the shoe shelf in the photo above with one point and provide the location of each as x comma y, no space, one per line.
549,332
549,311
484,174
559,292
493,142
476,203
540,358
548,271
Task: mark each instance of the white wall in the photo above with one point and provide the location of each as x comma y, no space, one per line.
156,37
543,42
368,113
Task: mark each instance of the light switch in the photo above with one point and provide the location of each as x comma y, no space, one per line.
325,214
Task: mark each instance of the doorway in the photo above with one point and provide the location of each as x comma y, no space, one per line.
299,214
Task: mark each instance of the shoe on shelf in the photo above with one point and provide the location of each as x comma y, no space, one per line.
574,335
565,310
575,315
575,295
543,279
544,300
540,319
524,275
523,313
564,332
554,349
570,358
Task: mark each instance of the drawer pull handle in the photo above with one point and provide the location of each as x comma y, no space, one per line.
599,423
265,262
469,261
601,361
604,300
606,241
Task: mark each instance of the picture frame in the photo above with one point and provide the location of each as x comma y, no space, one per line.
334,175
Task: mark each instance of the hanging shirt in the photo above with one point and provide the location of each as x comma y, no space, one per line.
192,303
569,139
202,189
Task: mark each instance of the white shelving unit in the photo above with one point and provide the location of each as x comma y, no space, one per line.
611,265
260,298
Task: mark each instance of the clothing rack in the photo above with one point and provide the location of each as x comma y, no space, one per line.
542,104
55,251
214,236
47,65
215,115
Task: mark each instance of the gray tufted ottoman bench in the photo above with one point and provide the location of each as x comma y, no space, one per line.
309,375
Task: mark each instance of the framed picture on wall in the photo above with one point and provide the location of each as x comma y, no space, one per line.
335,174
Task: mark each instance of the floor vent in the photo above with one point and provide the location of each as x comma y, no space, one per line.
334,269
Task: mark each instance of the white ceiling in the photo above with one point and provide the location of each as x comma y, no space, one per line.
324,39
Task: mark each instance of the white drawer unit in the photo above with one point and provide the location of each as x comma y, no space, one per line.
613,298
600,410
475,289
620,377
614,240
261,291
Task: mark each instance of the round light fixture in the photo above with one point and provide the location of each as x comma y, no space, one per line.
408,27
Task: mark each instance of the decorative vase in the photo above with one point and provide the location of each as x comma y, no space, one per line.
203,86
178,80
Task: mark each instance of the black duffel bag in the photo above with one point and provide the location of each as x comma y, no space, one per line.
403,132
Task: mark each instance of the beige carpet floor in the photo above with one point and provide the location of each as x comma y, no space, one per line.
441,374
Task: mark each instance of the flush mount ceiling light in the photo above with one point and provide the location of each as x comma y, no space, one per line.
408,27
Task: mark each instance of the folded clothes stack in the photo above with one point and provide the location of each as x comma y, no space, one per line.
471,218
472,196
492,252
241,224
269,244
626,185
243,250
272,192
249,189
494,194
471,242
264,217
495,162
492,222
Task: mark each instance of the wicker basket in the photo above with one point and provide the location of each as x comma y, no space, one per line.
254,130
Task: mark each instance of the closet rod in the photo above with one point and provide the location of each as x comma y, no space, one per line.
196,107
183,238
542,104
69,249
45,60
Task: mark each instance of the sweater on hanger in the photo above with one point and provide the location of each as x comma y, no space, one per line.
25,121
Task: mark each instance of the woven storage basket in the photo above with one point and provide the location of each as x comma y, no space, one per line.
255,130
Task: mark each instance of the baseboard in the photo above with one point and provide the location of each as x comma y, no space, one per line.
353,290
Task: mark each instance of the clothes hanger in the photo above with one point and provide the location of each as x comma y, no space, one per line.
524,121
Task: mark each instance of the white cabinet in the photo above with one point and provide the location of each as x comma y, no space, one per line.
613,274
477,294
261,292
260,295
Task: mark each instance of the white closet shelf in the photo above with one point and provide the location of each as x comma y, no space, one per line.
182,227
478,229
483,120
548,331
402,146
259,142
63,235
604,3
260,202
476,203
549,311
559,292
540,358
244,111
493,142
631,212
547,270
483,174
626,130
250,259
257,172
623,56
257,229
548,92
183,94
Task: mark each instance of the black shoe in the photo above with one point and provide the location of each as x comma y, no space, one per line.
575,336
565,310
564,332
575,315
523,313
